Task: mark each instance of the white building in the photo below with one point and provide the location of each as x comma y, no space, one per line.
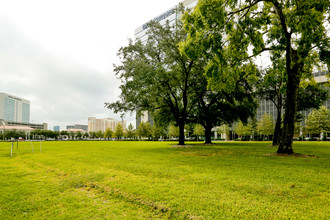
14,109
95,124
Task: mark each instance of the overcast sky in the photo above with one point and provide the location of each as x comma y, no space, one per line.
59,54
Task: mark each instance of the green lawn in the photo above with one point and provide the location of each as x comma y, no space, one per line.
139,180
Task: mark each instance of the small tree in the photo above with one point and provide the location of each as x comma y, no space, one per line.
240,129
173,131
199,130
108,133
79,135
318,121
130,133
119,133
144,130
265,125
157,131
99,134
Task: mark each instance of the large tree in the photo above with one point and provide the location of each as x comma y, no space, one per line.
272,87
156,77
232,32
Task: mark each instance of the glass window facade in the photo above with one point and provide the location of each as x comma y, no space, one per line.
14,109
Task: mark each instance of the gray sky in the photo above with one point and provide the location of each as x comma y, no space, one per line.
59,54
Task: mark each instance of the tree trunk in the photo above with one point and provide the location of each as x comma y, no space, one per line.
181,134
277,132
208,132
285,146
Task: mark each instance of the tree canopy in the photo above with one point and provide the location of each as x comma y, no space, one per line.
231,33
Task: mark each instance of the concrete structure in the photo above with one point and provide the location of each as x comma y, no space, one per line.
13,108
43,126
95,124
82,127
74,130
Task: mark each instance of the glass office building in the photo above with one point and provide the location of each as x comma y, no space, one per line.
14,109
141,33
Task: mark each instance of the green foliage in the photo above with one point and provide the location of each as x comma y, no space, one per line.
13,134
157,131
156,77
130,132
265,125
147,180
108,133
224,33
199,130
99,134
241,129
173,131
144,130
119,132
318,121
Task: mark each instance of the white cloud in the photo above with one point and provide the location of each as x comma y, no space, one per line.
60,54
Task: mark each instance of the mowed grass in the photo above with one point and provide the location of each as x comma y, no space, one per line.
143,180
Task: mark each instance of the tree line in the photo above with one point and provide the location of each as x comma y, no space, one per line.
203,69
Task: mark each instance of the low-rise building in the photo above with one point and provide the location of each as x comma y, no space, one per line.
95,124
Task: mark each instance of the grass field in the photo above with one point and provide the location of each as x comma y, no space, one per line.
139,180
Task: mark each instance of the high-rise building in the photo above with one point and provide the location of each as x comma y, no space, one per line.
141,33
95,124
14,109
56,128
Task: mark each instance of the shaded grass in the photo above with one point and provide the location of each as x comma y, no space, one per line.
138,180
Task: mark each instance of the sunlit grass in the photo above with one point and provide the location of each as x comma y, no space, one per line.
138,180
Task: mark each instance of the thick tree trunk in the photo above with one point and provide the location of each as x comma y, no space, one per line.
208,132
181,134
277,132
285,146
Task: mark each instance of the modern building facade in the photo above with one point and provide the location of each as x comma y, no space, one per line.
81,127
141,33
43,126
14,109
95,125
56,128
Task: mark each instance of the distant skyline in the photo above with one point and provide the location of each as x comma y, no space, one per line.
60,54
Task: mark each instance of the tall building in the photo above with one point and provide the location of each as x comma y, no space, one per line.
95,124
56,128
14,109
141,33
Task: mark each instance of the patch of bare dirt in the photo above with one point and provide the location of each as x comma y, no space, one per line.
293,155
181,146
